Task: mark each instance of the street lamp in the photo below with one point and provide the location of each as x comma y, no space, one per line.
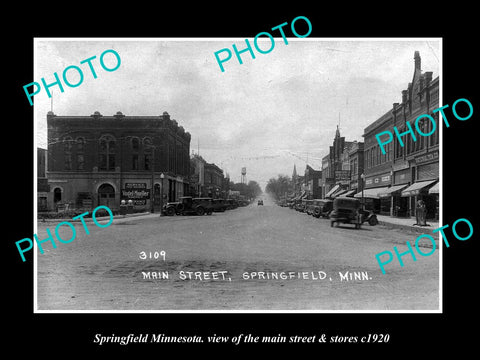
363,186
162,176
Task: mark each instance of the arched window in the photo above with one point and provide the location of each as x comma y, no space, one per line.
107,145
67,143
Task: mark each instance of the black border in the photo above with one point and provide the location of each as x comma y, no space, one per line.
49,333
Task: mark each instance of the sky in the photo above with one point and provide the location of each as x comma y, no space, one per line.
267,114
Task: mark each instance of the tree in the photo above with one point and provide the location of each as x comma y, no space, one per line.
279,186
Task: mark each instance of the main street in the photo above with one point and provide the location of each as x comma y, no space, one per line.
214,263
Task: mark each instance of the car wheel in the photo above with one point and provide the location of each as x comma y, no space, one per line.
331,223
170,211
373,221
200,211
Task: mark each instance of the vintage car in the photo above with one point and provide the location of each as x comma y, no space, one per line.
188,205
346,210
322,207
260,202
219,205
299,205
231,204
291,203
369,216
309,207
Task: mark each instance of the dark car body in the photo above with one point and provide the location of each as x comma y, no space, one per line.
347,211
322,207
231,204
309,207
299,205
188,205
260,202
219,205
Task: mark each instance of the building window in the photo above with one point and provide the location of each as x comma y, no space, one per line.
148,161
135,162
67,144
135,142
68,161
80,162
80,144
107,146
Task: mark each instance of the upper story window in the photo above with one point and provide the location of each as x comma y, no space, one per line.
107,149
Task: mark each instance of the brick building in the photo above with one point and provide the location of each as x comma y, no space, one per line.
406,174
101,160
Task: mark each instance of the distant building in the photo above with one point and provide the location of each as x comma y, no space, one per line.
214,180
337,167
312,181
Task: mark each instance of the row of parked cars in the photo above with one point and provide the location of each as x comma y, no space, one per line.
339,210
188,205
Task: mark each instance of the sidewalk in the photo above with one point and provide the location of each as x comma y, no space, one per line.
116,218
407,223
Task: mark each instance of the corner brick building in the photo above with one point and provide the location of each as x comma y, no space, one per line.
101,160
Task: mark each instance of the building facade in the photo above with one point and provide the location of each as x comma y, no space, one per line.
44,196
214,180
408,173
102,160
313,180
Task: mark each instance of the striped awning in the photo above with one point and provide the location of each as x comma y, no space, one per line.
435,189
350,193
338,193
416,187
371,193
332,190
391,190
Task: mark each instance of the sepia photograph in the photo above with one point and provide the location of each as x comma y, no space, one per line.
237,175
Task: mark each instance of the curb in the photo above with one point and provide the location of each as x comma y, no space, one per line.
90,219
418,229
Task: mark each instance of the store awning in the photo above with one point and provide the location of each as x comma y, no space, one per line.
332,191
371,193
415,188
391,190
338,193
435,189
350,193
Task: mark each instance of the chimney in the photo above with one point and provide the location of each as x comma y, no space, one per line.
428,77
404,96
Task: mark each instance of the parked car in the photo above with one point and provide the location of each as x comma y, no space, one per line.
299,205
291,203
322,207
231,204
347,211
219,205
188,205
243,202
369,216
260,202
309,207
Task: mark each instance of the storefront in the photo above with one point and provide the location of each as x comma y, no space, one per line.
420,191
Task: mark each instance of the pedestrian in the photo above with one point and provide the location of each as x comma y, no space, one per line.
421,213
